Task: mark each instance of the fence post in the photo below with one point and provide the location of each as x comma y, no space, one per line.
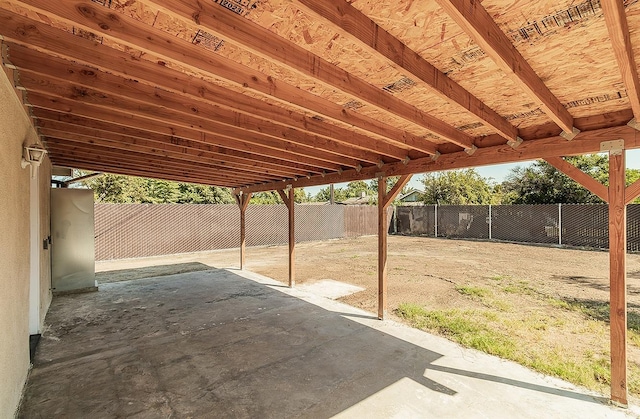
560,224
489,221
435,212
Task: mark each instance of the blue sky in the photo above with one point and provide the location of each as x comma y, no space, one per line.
497,172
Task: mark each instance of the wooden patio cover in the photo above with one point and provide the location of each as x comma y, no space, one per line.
262,95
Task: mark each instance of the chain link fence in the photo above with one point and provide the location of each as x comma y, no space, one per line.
577,225
139,230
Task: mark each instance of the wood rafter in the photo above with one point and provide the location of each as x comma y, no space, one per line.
478,24
618,28
163,147
211,107
188,139
586,142
185,54
579,176
162,107
357,24
220,21
41,100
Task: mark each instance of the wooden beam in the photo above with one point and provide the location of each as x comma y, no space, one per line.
263,42
185,138
632,192
172,49
579,176
391,195
288,198
211,18
163,107
128,171
618,27
586,142
118,142
360,26
484,31
179,128
82,151
153,77
618,277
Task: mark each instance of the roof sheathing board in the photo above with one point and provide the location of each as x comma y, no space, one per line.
425,28
189,32
584,77
345,51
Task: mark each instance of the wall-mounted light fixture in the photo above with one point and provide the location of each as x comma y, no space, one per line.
32,156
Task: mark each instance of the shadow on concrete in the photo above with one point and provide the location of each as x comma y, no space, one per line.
149,272
517,383
216,344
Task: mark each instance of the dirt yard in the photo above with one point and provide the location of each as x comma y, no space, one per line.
546,308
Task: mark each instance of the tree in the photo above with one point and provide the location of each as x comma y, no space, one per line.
456,187
542,183
273,197
110,188
353,189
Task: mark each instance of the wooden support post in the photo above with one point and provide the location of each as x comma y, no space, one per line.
243,203
382,248
288,199
618,276
384,200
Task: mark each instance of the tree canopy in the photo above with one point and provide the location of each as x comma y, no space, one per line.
457,187
541,183
110,188
538,183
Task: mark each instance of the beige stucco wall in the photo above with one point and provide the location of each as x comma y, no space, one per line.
15,131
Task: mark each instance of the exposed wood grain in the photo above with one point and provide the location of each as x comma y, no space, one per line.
395,190
586,142
618,277
476,22
356,23
189,139
632,192
243,202
24,31
382,248
68,148
226,24
288,198
120,142
206,95
618,28
163,107
579,176
177,127
121,169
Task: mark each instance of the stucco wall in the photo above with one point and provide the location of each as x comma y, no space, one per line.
15,130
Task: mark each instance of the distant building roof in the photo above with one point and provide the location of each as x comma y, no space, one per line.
412,195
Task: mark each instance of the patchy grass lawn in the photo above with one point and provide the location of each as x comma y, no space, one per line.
546,308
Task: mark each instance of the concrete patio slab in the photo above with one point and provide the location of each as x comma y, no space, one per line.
228,343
